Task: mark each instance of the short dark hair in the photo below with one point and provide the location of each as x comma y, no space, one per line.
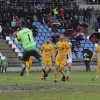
23,24
62,34
48,37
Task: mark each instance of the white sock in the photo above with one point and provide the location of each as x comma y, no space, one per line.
68,72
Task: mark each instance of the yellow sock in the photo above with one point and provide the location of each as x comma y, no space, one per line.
55,74
48,70
27,71
98,70
42,74
62,72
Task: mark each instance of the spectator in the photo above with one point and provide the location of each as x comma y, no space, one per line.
96,25
4,65
80,13
88,15
93,14
87,61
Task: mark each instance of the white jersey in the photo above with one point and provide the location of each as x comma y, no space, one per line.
69,59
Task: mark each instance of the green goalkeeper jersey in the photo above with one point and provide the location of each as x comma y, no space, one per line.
26,36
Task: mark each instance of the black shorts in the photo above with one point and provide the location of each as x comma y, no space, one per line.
27,54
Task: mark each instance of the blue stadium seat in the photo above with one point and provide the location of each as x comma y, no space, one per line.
44,34
87,41
46,26
84,37
91,49
22,50
42,38
40,42
59,30
76,49
41,26
48,34
52,33
19,46
91,45
36,41
82,45
37,38
39,34
40,30
86,45
83,41
45,30
80,49
63,30
38,45
34,23
38,23
37,26
12,38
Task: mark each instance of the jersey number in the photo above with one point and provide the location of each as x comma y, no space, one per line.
29,37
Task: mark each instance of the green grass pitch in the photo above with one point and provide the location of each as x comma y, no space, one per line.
82,86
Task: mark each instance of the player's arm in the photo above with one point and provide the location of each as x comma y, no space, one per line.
68,49
55,48
18,38
94,53
41,49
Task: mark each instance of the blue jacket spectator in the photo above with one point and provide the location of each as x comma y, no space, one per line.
97,25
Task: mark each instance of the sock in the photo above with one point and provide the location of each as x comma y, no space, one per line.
22,65
55,74
68,72
62,72
48,70
42,64
27,71
42,74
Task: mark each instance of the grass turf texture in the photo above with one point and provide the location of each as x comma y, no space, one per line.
82,86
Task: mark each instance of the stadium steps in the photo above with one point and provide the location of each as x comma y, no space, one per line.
8,52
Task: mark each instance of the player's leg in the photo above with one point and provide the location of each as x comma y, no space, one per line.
49,63
69,63
86,65
43,78
27,68
57,63
61,68
98,69
25,58
37,55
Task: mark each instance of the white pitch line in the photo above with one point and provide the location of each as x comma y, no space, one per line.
86,84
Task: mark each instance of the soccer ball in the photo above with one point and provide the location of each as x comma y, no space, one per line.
15,34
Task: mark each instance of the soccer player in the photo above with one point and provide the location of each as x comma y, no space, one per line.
63,49
97,51
25,35
69,60
47,52
28,65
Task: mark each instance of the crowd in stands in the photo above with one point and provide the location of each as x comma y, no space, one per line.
65,17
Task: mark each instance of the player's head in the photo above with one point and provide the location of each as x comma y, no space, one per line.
98,42
22,24
48,40
66,38
62,36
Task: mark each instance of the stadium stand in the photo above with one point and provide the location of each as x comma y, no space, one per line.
24,11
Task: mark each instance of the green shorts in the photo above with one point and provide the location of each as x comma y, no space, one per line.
30,52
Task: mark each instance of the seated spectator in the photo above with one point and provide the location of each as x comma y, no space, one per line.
13,24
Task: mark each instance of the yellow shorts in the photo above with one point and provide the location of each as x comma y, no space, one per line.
28,64
47,62
60,61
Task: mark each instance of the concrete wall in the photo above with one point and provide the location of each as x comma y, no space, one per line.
86,5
